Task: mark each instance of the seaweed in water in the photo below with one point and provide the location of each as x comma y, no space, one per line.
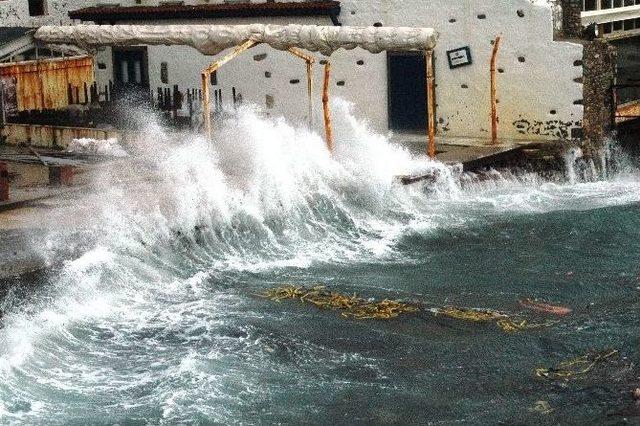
576,367
351,306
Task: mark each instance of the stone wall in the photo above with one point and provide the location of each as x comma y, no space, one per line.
571,24
599,64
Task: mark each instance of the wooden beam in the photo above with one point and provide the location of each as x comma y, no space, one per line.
494,99
431,104
237,51
325,106
206,99
206,107
310,92
310,60
301,54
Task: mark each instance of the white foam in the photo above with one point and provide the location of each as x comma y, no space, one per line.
105,147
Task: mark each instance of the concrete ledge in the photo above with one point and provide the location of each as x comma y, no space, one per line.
42,136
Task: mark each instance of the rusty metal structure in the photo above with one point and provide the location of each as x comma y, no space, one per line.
44,84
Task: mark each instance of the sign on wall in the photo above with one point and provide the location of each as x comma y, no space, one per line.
459,57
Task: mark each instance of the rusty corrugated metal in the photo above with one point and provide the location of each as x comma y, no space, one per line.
43,84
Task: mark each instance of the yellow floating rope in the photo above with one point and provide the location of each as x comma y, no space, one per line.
576,367
351,305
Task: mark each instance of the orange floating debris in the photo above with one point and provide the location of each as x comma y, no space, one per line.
545,307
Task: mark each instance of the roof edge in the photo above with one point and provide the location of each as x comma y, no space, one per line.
99,14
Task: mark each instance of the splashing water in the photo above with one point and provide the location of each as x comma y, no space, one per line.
154,321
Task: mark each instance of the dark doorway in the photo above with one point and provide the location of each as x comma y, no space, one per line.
407,91
131,71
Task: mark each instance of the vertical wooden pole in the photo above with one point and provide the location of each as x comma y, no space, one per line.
310,91
206,97
325,107
494,101
206,114
431,104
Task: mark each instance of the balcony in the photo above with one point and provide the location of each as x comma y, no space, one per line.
614,18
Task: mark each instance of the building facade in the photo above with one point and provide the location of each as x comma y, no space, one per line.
541,66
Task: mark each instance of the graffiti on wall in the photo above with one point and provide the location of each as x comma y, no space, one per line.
555,128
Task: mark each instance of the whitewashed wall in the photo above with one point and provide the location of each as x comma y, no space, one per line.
16,12
536,88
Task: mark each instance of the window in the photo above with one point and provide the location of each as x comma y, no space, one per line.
607,4
37,7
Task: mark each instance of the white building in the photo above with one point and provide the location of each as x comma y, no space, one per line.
540,73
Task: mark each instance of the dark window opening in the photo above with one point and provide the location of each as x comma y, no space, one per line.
629,24
590,4
37,7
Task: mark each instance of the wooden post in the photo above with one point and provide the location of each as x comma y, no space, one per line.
325,106
310,60
310,92
431,104
494,101
206,113
205,82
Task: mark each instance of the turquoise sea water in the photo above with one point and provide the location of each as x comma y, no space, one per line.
153,316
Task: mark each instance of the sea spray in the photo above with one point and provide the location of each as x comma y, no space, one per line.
153,319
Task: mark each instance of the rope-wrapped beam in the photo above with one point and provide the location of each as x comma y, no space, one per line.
213,39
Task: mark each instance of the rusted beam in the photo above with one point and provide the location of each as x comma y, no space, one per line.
302,54
494,99
310,60
325,106
206,99
237,51
310,92
206,113
431,104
